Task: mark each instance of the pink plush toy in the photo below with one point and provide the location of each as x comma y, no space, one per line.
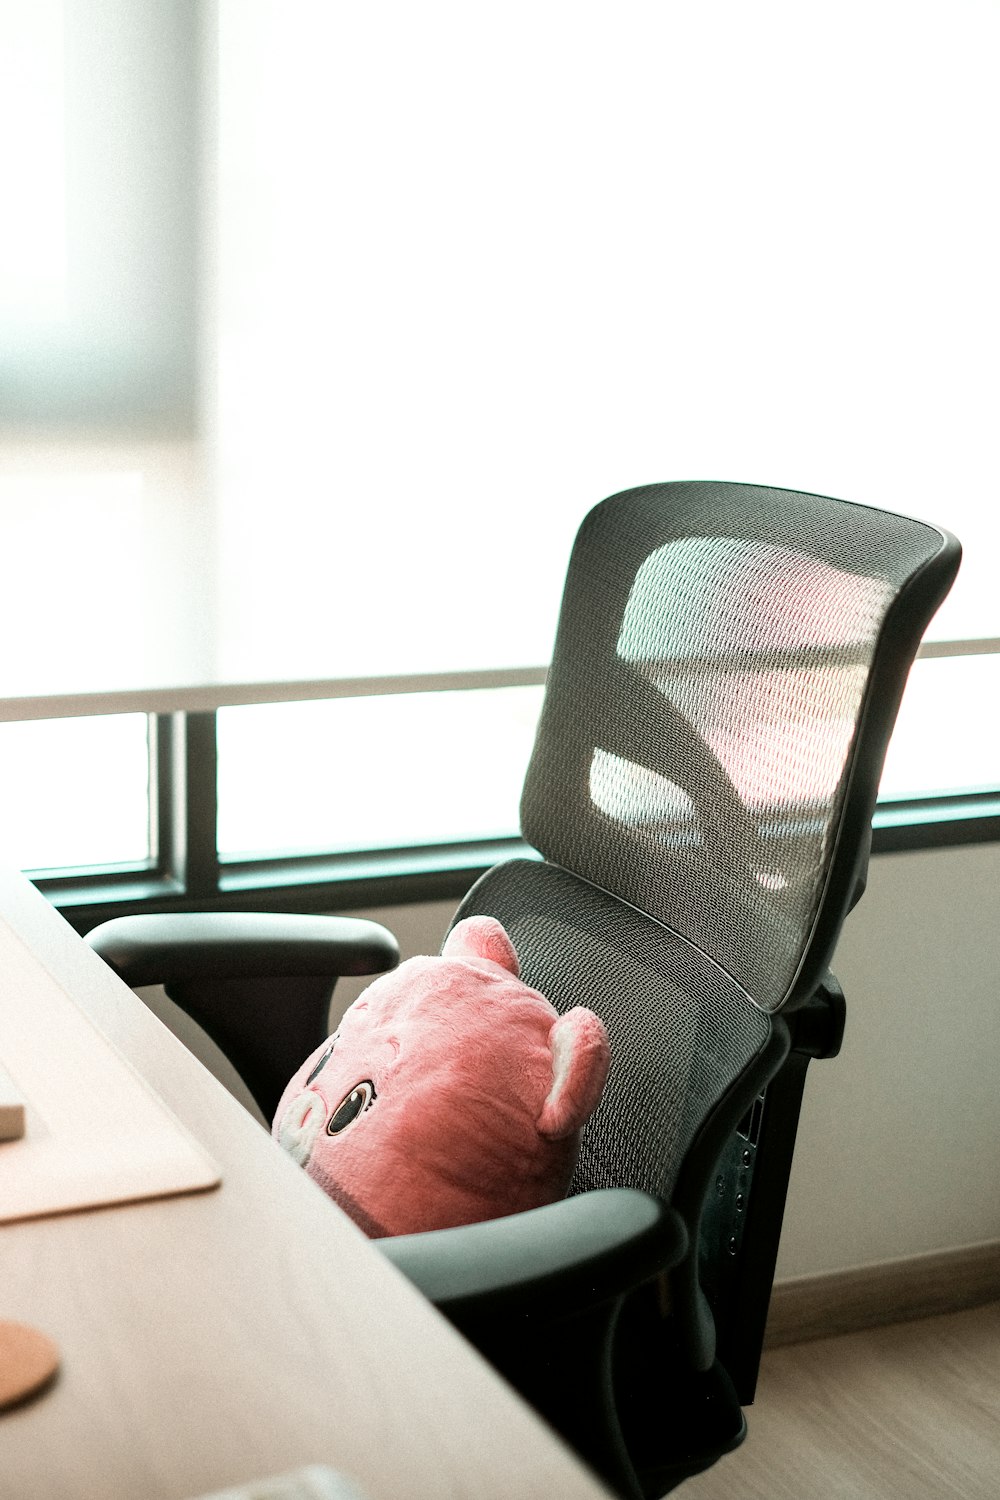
450,1093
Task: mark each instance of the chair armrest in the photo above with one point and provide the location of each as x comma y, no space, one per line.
560,1259
258,983
169,947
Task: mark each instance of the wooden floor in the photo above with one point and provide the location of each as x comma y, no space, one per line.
910,1412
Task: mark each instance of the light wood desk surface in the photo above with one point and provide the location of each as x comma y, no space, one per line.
214,1339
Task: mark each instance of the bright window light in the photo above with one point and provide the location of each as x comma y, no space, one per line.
74,590
480,267
946,735
373,773
559,250
74,792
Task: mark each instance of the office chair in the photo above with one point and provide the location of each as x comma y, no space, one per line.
727,671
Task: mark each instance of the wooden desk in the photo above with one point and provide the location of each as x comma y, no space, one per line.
214,1339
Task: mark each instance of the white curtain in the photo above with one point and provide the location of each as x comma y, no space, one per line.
462,271
480,266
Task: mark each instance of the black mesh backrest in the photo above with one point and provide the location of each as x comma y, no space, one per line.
680,1029
714,655
726,673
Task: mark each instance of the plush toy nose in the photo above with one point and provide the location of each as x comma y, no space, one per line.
301,1124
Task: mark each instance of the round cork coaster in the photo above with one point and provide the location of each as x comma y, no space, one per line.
28,1361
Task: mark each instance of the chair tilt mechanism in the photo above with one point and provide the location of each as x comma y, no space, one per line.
726,675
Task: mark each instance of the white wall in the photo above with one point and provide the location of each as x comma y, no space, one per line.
899,1144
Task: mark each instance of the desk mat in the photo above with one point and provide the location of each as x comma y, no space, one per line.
95,1132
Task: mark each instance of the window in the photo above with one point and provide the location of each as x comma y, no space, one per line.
95,775
393,771
945,737
331,323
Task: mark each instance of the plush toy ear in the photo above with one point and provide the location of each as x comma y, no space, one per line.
482,937
580,1060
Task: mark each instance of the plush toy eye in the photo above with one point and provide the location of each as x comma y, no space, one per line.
323,1061
348,1110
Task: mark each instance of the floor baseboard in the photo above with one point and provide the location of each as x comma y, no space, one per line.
922,1286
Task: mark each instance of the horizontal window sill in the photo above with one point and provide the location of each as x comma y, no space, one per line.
936,822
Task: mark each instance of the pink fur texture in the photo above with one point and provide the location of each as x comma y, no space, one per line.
450,1092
